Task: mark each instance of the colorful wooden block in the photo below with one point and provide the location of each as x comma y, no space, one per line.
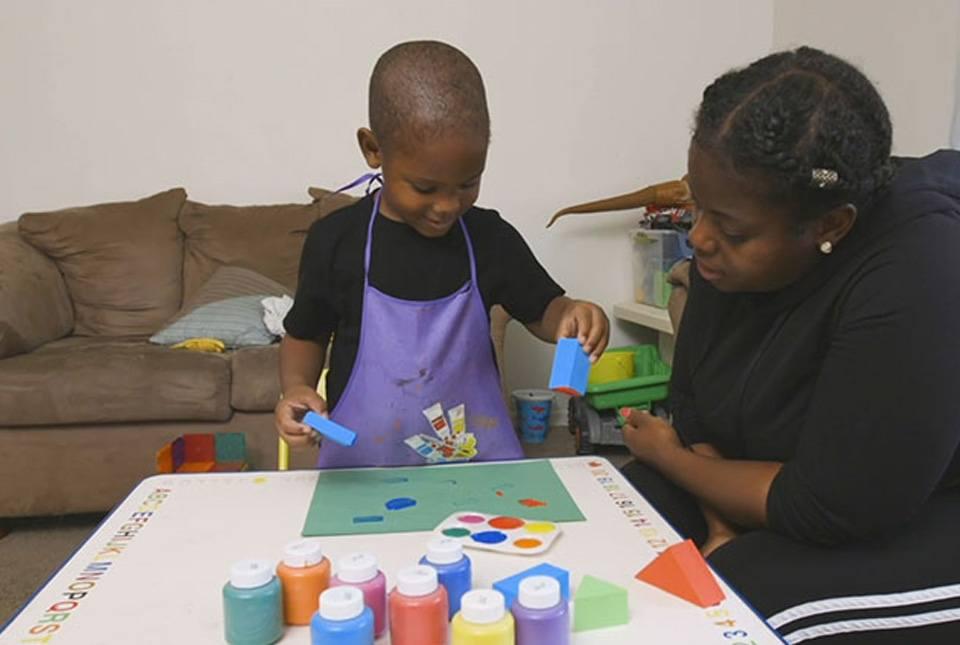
179,449
229,466
571,368
682,571
509,587
200,447
165,459
599,604
197,467
230,446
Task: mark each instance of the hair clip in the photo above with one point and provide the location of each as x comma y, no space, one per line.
824,177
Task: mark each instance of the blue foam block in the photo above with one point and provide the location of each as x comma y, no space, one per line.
510,587
329,429
571,367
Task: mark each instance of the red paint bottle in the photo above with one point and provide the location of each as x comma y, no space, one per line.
418,608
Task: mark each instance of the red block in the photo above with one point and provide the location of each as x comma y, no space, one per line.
200,447
682,571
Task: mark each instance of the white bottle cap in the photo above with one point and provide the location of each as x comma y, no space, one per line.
247,574
482,606
302,553
357,567
341,603
418,580
444,550
539,592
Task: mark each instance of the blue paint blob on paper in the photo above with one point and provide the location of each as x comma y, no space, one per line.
400,503
367,519
489,537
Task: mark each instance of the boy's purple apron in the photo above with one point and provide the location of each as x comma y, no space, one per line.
412,355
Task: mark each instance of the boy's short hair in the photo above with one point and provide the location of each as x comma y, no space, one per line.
421,89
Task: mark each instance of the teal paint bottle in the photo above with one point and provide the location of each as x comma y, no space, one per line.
252,604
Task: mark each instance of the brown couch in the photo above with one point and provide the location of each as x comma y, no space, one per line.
85,399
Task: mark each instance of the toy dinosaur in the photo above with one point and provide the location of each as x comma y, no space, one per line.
675,194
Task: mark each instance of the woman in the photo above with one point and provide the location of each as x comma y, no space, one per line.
816,412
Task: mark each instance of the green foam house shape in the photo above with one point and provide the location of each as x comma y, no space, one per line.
599,604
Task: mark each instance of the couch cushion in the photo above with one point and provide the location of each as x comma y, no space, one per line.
237,322
34,305
121,261
103,380
256,378
233,282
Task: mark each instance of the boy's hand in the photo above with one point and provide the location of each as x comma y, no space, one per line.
587,323
288,415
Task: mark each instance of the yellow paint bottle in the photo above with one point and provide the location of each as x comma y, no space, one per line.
482,620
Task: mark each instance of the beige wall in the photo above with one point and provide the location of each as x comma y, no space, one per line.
909,48
245,102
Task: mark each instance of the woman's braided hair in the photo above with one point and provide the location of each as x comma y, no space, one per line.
812,125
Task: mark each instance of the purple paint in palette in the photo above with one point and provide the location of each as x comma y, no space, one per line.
501,533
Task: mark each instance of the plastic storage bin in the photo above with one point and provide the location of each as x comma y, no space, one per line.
648,384
593,418
654,253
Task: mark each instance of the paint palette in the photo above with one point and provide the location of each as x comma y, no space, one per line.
501,533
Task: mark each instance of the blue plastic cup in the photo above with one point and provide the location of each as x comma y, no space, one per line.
533,413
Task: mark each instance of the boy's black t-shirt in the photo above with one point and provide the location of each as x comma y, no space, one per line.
406,265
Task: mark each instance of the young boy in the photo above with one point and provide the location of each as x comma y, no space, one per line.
404,280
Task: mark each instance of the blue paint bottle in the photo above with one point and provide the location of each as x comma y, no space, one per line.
453,568
343,619
252,604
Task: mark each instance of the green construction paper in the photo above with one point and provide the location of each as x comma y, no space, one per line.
354,502
598,603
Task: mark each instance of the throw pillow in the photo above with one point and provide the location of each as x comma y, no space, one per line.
238,322
121,261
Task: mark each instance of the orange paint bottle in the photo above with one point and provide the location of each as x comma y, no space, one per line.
418,608
304,574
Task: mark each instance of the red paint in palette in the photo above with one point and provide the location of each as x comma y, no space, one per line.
507,523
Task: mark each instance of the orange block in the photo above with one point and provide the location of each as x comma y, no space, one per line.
682,571
165,459
197,467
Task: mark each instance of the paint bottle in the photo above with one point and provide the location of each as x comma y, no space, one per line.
304,574
342,619
252,604
542,616
360,570
418,608
483,620
453,569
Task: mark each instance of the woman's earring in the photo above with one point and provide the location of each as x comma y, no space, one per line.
826,248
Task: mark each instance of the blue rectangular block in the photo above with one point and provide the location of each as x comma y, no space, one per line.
510,587
571,367
329,429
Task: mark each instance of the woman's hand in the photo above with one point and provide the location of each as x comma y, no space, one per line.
649,437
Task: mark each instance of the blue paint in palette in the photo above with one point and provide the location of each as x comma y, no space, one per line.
400,503
489,537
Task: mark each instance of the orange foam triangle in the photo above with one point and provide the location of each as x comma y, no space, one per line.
682,571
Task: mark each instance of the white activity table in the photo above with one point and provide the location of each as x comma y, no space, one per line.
153,570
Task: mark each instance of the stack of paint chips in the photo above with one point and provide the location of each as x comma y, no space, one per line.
204,453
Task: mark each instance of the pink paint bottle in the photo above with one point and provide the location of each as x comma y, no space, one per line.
418,608
360,570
